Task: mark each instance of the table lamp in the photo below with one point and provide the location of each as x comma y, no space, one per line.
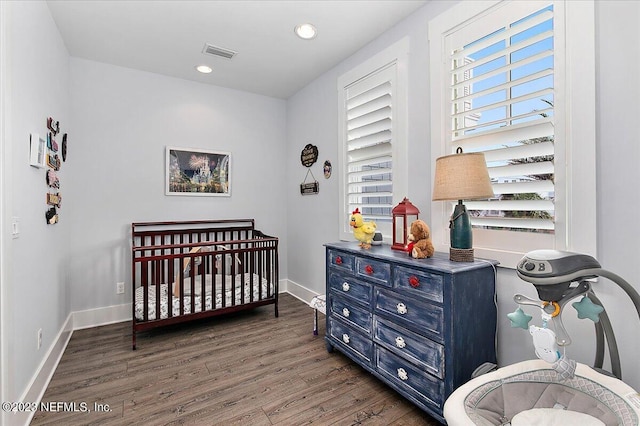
461,176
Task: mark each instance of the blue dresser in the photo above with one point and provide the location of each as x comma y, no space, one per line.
420,325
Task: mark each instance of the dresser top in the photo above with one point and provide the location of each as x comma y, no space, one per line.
439,262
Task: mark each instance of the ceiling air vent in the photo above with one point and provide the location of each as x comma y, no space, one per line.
210,49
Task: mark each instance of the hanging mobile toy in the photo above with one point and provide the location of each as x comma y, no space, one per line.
557,282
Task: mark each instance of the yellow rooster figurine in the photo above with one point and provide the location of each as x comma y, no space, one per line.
362,231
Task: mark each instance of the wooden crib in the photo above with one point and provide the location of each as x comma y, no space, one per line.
182,271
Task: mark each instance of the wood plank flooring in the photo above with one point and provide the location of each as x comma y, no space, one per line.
248,368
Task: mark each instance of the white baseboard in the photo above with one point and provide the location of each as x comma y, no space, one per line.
101,316
282,286
75,321
119,313
300,292
42,377
94,318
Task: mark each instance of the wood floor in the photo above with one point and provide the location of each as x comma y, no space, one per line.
248,368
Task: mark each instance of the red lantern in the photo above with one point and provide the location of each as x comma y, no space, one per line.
403,215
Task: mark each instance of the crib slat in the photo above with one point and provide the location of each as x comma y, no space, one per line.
192,284
171,282
158,295
250,270
223,280
145,295
203,281
181,288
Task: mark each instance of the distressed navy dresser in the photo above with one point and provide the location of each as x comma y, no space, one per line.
420,325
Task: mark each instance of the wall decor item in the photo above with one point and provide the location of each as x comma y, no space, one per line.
53,125
52,179
327,169
52,216
53,161
51,142
45,153
38,151
309,188
308,157
54,199
197,172
64,147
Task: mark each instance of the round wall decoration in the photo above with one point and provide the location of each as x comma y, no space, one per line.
309,155
327,169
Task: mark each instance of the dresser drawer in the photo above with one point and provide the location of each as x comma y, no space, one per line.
409,378
410,312
359,345
341,260
350,287
426,353
422,283
379,272
350,313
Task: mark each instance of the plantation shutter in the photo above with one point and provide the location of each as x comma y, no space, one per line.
369,140
502,99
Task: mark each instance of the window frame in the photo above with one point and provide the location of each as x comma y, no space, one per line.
574,122
396,55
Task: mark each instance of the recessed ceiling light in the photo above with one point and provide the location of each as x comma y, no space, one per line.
204,69
306,31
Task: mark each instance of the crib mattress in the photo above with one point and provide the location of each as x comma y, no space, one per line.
261,289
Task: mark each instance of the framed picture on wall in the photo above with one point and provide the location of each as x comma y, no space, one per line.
197,172
38,151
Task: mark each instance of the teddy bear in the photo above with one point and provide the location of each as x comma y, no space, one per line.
420,245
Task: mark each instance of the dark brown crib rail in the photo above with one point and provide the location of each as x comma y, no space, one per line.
229,255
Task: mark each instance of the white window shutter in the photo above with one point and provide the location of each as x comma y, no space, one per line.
502,104
516,80
372,123
369,176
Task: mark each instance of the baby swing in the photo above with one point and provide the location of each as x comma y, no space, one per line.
553,390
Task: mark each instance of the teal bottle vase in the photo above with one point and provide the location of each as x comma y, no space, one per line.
460,228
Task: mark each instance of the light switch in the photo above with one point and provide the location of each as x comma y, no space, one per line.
15,227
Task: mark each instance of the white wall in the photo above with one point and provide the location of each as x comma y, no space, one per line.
618,165
34,288
119,122
618,198
312,118
124,119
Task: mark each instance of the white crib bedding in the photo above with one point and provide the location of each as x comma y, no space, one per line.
258,289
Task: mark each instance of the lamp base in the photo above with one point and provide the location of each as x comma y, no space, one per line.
460,255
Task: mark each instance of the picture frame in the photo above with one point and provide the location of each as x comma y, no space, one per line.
38,151
197,172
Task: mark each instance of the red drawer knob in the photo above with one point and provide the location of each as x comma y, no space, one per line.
414,281
368,269
338,260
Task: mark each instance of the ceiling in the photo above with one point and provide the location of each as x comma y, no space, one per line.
168,37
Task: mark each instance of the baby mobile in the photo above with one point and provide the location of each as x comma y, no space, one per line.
550,345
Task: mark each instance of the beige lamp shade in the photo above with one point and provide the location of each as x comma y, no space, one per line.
462,176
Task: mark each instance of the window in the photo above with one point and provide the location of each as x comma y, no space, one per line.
372,109
507,80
